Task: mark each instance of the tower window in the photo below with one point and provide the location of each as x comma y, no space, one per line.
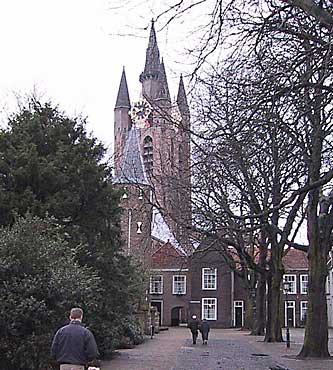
139,227
148,154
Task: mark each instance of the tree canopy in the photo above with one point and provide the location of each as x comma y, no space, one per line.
51,167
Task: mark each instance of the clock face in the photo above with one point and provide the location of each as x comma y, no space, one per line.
140,113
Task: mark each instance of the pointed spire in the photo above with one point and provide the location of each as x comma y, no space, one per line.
181,97
152,64
123,100
132,170
164,89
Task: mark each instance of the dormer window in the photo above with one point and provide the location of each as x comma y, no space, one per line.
148,154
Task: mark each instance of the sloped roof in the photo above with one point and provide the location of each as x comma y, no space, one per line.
161,231
166,256
295,260
131,169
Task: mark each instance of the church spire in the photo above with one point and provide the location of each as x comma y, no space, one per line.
164,88
152,63
123,100
181,98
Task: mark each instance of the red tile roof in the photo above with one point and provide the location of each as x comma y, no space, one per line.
295,260
166,256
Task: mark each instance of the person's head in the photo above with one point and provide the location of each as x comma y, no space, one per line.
76,314
194,317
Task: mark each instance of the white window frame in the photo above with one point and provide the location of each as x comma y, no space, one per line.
174,285
205,272
303,309
304,283
204,303
291,278
151,286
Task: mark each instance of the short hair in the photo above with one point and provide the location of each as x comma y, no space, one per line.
76,313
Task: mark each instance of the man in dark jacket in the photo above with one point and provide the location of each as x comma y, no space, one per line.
194,326
73,345
204,328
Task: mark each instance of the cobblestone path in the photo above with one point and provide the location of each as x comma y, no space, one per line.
173,350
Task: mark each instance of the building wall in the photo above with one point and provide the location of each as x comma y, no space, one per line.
294,299
136,221
227,289
170,300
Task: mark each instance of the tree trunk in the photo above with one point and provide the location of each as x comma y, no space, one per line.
260,322
319,230
248,320
273,327
316,330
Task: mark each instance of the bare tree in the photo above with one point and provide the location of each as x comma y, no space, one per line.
292,41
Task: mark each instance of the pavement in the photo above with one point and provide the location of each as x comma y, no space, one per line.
227,349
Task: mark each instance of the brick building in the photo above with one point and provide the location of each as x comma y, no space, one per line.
152,168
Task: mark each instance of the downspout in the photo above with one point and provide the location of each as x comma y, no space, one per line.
129,232
232,297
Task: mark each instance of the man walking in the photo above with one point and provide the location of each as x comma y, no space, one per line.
204,328
73,345
194,326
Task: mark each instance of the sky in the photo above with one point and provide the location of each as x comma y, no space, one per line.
72,53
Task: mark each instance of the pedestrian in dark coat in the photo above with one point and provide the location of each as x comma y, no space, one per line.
204,328
194,327
74,346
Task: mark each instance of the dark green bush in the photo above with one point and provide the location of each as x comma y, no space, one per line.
40,281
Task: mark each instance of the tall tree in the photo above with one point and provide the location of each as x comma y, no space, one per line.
49,165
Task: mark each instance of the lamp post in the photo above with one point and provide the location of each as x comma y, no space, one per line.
286,289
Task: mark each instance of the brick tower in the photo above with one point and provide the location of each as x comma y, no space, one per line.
161,129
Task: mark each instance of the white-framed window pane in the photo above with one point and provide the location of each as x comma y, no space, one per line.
291,279
304,309
179,284
209,308
156,284
304,284
209,279
328,283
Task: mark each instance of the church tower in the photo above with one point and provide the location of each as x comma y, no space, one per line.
162,130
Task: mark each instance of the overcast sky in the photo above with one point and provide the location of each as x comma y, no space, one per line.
71,52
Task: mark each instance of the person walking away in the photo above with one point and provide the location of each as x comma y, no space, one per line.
204,328
194,326
74,346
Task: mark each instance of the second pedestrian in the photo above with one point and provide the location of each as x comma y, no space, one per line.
193,325
204,328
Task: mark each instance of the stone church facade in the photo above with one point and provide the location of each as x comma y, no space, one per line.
152,169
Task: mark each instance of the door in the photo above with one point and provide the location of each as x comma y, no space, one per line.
290,314
175,316
238,314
